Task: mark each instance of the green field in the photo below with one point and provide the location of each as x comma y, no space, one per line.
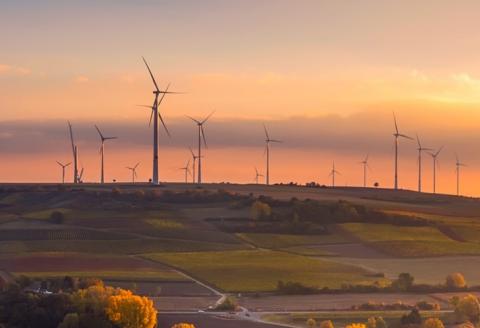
386,232
260,270
277,241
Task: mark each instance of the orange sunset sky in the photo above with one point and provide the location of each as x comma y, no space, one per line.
324,76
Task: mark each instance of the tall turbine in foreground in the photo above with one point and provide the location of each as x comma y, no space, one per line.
420,150
257,175
267,151
155,114
201,135
102,153
397,135
75,154
332,174
365,166
63,170
458,164
187,170
134,171
434,158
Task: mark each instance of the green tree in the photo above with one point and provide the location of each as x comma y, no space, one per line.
71,320
311,323
468,309
326,324
433,323
404,282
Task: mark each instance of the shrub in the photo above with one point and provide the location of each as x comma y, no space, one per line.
467,308
413,318
228,304
260,210
380,323
326,324
294,288
57,217
456,281
131,311
356,325
433,323
183,325
404,282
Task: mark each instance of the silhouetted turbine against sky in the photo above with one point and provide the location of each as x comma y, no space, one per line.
155,114
63,170
333,172
201,135
420,149
434,158
267,151
458,164
365,166
102,153
397,135
257,175
186,168
134,171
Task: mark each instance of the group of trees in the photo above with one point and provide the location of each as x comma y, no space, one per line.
95,306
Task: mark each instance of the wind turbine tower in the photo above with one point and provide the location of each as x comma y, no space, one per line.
187,170
201,135
434,158
397,135
267,151
194,162
75,154
333,172
155,114
420,150
63,170
257,175
134,171
458,164
365,166
102,153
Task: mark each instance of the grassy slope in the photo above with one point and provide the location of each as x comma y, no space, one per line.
268,240
410,241
260,270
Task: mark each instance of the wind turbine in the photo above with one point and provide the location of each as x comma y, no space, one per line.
267,151
434,157
194,158
332,174
134,171
155,114
102,152
397,135
75,154
63,170
201,135
458,164
420,149
365,166
257,175
187,170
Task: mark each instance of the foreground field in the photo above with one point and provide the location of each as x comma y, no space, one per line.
260,270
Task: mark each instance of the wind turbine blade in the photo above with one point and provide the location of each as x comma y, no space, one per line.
163,123
395,121
135,173
136,165
366,158
99,132
59,163
266,132
110,138
418,142
273,140
151,74
405,136
198,122
68,164
438,151
203,136
144,106
163,95
191,152
206,119
151,117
